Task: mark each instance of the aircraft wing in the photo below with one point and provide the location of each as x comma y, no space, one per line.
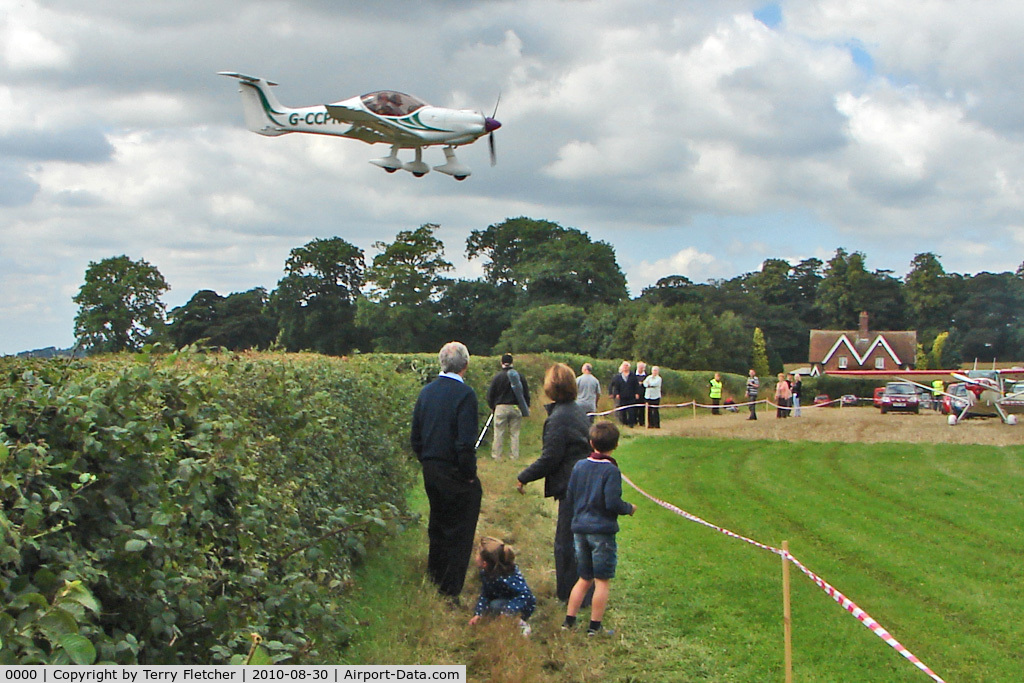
908,376
895,374
367,126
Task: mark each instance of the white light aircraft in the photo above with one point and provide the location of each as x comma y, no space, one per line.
394,118
989,392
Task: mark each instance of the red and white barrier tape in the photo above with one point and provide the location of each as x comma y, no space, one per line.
847,604
721,406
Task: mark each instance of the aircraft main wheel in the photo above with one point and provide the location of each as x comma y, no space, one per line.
390,170
951,420
419,175
461,177
1011,419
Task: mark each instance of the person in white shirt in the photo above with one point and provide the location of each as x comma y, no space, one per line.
652,397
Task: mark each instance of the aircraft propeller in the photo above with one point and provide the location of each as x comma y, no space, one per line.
492,124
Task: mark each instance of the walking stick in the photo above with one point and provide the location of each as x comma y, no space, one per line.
486,425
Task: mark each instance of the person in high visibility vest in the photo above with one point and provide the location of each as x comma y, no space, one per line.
716,392
938,388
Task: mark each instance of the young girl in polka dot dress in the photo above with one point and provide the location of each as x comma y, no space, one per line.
503,589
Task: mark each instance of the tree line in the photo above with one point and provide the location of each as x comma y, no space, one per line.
546,287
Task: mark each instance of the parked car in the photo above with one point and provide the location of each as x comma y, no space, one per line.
849,400
822,400
877,399
955,399
924,398
900,396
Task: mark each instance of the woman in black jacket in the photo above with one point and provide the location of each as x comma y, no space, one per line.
566,441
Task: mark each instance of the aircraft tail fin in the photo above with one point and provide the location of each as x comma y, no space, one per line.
264,114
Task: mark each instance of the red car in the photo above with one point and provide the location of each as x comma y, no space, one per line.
877,400
822,400
900,396
951,404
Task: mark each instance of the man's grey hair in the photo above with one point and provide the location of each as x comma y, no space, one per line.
587,367
454,357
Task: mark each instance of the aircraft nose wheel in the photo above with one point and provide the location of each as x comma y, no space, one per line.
461,177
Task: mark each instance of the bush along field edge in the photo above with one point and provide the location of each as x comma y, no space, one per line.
163,508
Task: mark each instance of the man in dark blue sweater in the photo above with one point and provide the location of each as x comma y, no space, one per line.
444,426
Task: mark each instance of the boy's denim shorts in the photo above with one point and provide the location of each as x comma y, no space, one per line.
596,555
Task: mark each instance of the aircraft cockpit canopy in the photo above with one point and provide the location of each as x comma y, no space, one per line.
392,103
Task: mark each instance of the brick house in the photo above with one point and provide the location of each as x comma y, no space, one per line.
862,349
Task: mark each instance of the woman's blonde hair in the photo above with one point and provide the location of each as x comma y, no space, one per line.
560,383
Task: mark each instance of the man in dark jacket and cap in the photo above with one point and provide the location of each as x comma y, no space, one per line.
509,399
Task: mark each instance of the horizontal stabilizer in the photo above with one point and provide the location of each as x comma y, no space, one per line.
244,78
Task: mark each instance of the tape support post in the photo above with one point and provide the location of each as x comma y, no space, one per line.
843,601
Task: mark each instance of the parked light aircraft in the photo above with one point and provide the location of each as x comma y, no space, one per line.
403,121
989,392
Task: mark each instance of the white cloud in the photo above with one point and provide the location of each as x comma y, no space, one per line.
650,125
689,262
26,46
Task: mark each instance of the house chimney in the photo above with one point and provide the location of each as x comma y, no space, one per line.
863,325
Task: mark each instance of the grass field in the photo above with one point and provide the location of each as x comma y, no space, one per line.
927,538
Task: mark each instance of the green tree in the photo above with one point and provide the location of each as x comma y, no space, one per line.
988,317
772,284
244,321
759,354
476,313
546,263
672,290
937,359
407,272
928,293
838,292
921,361
119,305
677,339
556,328
847,288
407,282
192,322
315,302
806,277
238,321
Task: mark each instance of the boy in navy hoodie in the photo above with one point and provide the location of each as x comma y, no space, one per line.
595,495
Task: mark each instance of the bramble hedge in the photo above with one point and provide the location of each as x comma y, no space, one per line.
160,508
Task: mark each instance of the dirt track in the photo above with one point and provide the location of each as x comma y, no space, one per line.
861,424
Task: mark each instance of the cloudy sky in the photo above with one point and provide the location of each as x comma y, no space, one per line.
698,138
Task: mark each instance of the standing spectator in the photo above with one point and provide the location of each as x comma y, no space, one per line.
588,389
652,397
938,389
782,395
753,386
595,494
565,441
796,388
444,424
619,389
715,392
509,399
638,398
